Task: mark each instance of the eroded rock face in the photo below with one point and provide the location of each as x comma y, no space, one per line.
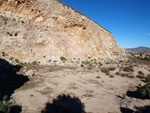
41,30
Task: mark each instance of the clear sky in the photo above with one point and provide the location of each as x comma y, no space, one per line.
128,20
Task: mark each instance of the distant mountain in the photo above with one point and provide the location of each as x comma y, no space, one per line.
140,49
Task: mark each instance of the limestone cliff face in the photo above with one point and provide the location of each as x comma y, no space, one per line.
40,30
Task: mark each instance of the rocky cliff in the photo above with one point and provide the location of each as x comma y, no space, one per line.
43,30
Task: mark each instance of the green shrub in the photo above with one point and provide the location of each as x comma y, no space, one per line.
90,67
128,69
120,61
16,34
140,76
130,76
3,54
63,59
19,64
5,97
4,108
117,73
34,63
10,34
147,79
82,65
112,68
124,75
98,77
105,70
141,73
17,61
144,92
111,76
54,61
86,62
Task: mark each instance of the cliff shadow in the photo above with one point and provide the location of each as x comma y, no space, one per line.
133,94
65,104
126,110
9,79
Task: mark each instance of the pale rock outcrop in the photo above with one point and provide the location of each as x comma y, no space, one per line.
44,30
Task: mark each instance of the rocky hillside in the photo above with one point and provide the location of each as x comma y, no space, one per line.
140,49
45,30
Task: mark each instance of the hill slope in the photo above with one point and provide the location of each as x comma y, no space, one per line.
44,30
140,49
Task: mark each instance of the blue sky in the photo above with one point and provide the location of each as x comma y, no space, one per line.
128,20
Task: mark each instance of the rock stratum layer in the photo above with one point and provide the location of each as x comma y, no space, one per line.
41,30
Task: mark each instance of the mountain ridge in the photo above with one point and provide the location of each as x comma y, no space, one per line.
141,49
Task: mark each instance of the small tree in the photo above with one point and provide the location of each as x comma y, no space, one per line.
144,92
4,107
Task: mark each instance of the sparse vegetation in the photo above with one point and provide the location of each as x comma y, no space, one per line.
16,34
63,59
90,67
31,95
105,70
141,73
128,69
111,76
51,79
117,73
4,54
147,58
112,68
82,65
142,56
4,107
54,61
10,34
85,62
124,75
140,76
144,92
120,61
90,63
98,77
34,63
130,76
17,61
147,78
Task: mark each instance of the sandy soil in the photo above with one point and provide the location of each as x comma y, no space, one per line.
100,93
